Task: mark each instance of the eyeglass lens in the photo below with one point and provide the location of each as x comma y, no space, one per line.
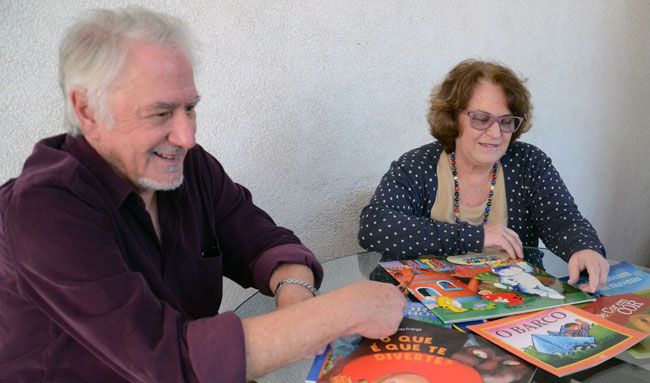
482,121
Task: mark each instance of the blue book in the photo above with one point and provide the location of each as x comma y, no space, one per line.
419,312
623,278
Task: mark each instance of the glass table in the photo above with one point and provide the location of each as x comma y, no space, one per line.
342,271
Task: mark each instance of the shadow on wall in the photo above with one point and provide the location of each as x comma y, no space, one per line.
344,227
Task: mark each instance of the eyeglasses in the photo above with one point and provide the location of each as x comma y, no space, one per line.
483,121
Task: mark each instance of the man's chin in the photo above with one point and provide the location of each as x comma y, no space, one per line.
149,184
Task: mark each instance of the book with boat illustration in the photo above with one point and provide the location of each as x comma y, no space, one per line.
481,286
561,340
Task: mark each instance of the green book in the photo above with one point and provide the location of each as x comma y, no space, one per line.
481,286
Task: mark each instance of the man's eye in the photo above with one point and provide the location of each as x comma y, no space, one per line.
164,114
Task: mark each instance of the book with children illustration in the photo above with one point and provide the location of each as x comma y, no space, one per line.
420,352
561,340
473,287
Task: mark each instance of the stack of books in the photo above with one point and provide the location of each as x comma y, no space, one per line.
486,317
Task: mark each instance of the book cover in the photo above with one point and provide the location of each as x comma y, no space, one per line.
332,354
622,278
629,310
481,286
561,340
420,352
419,312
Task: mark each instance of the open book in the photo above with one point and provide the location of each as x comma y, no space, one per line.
481,286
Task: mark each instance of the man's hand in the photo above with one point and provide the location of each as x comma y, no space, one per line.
596,266
501,237
376,307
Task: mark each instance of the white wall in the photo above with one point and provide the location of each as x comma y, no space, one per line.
307,102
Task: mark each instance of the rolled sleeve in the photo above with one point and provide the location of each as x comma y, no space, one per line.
216,348
288,253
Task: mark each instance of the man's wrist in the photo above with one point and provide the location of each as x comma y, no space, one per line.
298,282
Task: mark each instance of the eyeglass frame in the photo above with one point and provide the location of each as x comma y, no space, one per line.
519,121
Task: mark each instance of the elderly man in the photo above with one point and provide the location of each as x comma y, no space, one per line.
116,236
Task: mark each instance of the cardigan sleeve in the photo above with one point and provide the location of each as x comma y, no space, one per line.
397,221
553,210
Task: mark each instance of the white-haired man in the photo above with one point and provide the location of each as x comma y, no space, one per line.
116,236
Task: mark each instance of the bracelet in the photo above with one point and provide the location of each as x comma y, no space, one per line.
298,282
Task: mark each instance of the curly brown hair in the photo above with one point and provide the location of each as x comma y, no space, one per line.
452,96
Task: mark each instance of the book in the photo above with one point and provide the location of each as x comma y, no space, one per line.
420,352
622,278
481,286
419,312
629,310
332,354
342,347
561,340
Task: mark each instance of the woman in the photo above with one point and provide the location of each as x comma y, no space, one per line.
476,187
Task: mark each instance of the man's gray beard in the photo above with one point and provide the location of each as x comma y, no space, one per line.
147,184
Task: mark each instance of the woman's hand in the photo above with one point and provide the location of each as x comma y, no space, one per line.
596,266
501,237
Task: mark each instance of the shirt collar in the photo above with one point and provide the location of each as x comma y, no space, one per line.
116,186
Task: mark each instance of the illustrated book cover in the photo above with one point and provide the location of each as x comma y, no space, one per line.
481,286
629,310
420,352
562,340
622,278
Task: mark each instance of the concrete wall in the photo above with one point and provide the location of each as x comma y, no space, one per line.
307,102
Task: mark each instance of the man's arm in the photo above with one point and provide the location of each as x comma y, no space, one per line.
371,309
291,293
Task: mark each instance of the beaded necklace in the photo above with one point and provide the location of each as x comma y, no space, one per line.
493,181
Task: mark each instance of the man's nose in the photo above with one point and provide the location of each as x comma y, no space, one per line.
183,132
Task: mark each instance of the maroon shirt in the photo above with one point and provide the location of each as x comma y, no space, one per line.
88,293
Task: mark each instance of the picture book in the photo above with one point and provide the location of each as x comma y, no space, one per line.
622,278
420,352
629,310
481,286
332,354
417,311
561,340
341,347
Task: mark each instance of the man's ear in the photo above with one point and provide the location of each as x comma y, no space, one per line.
86,116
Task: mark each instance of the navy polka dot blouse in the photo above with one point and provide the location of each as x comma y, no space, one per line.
397,219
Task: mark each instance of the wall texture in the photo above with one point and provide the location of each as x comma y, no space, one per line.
307,102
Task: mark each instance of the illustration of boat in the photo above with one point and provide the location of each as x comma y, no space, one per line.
561,345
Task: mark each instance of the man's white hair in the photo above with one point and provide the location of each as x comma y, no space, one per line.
93,52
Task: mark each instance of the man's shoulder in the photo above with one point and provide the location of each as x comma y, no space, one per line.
48,166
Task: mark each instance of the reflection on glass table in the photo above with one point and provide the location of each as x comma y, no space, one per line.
342,271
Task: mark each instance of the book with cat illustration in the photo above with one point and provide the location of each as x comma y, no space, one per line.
480,286
421,352
561,340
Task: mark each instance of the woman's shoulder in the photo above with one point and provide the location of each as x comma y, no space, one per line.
525,151
424,154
